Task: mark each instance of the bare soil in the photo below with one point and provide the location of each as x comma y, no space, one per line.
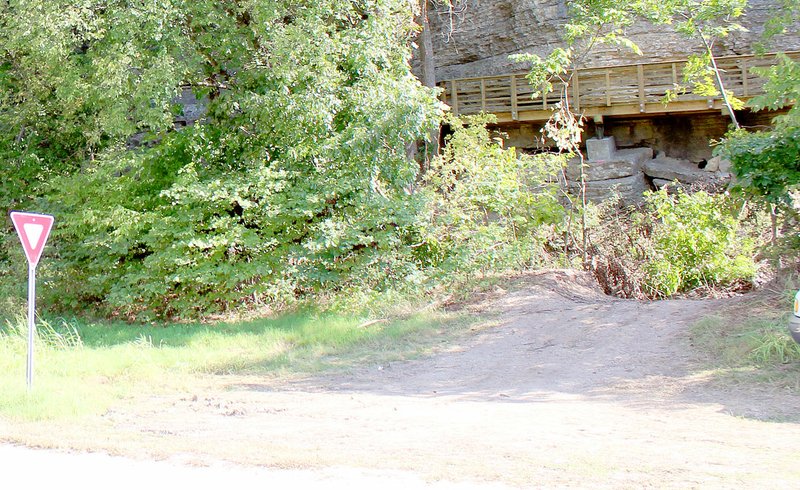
568,388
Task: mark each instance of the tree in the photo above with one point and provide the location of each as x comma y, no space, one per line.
427,57
292,180
767,162
426,54
709,22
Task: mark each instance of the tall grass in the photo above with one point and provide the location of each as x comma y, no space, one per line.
83,368
751,345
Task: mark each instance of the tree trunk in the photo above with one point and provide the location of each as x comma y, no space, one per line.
428,70
426,57
720,83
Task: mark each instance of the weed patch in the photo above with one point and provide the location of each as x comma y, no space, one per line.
673,244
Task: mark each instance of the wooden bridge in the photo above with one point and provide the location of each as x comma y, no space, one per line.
608,91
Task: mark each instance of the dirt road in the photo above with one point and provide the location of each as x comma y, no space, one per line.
569,389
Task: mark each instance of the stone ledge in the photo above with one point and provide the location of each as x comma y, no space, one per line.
635,155
624,164
630,189
669,169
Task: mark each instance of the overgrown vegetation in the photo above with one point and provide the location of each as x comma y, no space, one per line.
675,243
294,180
489,208
768,161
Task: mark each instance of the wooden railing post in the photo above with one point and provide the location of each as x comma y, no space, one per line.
642,100
745,82
674,74
455,97
608,88
514,107
483,95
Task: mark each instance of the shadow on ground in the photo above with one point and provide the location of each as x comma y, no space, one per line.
561,338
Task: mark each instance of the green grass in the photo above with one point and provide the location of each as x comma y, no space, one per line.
751,344
83,368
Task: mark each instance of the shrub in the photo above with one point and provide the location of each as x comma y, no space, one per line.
488,206
293,179
673,243
169,232
697,242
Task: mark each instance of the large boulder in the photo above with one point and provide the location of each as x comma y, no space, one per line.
718,164
671,169
625,163
674,174
629,189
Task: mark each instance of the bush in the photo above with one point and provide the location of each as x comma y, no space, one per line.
674,243
292,180
168,232
488,206
697,242
176,230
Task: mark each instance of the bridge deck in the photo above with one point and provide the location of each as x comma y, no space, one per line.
608,91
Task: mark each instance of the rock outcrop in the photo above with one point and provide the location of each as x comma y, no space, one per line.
628,173
477,37
664,168
608,171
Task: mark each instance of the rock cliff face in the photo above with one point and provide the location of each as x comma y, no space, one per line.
477,38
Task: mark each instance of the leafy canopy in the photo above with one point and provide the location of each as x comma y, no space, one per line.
294,177
767,162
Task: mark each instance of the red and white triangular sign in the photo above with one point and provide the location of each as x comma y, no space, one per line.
33,230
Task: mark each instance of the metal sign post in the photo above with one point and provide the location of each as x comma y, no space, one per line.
31,323
33,230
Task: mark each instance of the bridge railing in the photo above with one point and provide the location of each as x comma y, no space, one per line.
613,90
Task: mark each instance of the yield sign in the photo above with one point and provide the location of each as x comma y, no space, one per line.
33,230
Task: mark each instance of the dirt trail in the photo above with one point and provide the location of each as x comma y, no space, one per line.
571,389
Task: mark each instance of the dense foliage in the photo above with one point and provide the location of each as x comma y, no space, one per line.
676,242
205,155
488,207
697,242
294,180
768,161
295,176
